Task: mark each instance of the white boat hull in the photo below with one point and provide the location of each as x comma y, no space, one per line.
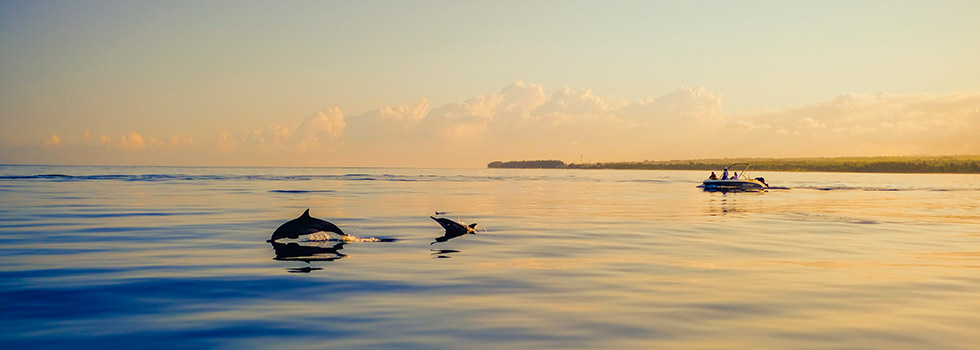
740,184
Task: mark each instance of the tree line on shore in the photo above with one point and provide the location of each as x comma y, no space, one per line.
529,164
940,164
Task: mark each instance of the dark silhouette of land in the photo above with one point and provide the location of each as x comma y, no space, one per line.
529,164
938,164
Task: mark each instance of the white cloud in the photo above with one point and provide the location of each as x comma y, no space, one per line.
696,104
318,132
567,102
177,140
132,142
521,121
810,123
225,142
876,124
407,115
746,125
321,127
54,140
522,98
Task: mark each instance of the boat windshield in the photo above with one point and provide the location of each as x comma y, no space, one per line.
742,166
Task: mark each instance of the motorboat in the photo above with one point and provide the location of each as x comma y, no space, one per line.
742,183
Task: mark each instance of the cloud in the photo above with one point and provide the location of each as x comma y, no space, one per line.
54,140
810,123
522,98
407,115
178,140
685,105
464,119
318,132
522,121
132,142
319,128
568,103
225,142
874,124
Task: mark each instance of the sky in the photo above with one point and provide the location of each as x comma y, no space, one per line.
464,83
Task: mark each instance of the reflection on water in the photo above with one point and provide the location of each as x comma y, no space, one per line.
723,206
121,257
318,247
443,253
723,203
731,189
308,251
304,269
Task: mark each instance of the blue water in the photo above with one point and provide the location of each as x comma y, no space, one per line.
165,257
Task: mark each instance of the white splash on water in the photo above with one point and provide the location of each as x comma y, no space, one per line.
351,239
318,236
326,237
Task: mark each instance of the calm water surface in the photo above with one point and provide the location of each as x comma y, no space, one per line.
147,257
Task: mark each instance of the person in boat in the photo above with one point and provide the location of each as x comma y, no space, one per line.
713,176
724,174
735,176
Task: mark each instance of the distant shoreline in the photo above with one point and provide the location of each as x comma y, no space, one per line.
918,165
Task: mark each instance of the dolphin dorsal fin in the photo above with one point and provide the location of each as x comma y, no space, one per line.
306,213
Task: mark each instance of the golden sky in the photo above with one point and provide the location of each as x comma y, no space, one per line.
460,84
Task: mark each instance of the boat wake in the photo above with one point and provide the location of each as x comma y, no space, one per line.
798,216
885,189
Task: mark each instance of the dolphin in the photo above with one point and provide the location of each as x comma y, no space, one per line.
304,225
453,229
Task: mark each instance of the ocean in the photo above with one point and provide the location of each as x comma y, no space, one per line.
177,257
